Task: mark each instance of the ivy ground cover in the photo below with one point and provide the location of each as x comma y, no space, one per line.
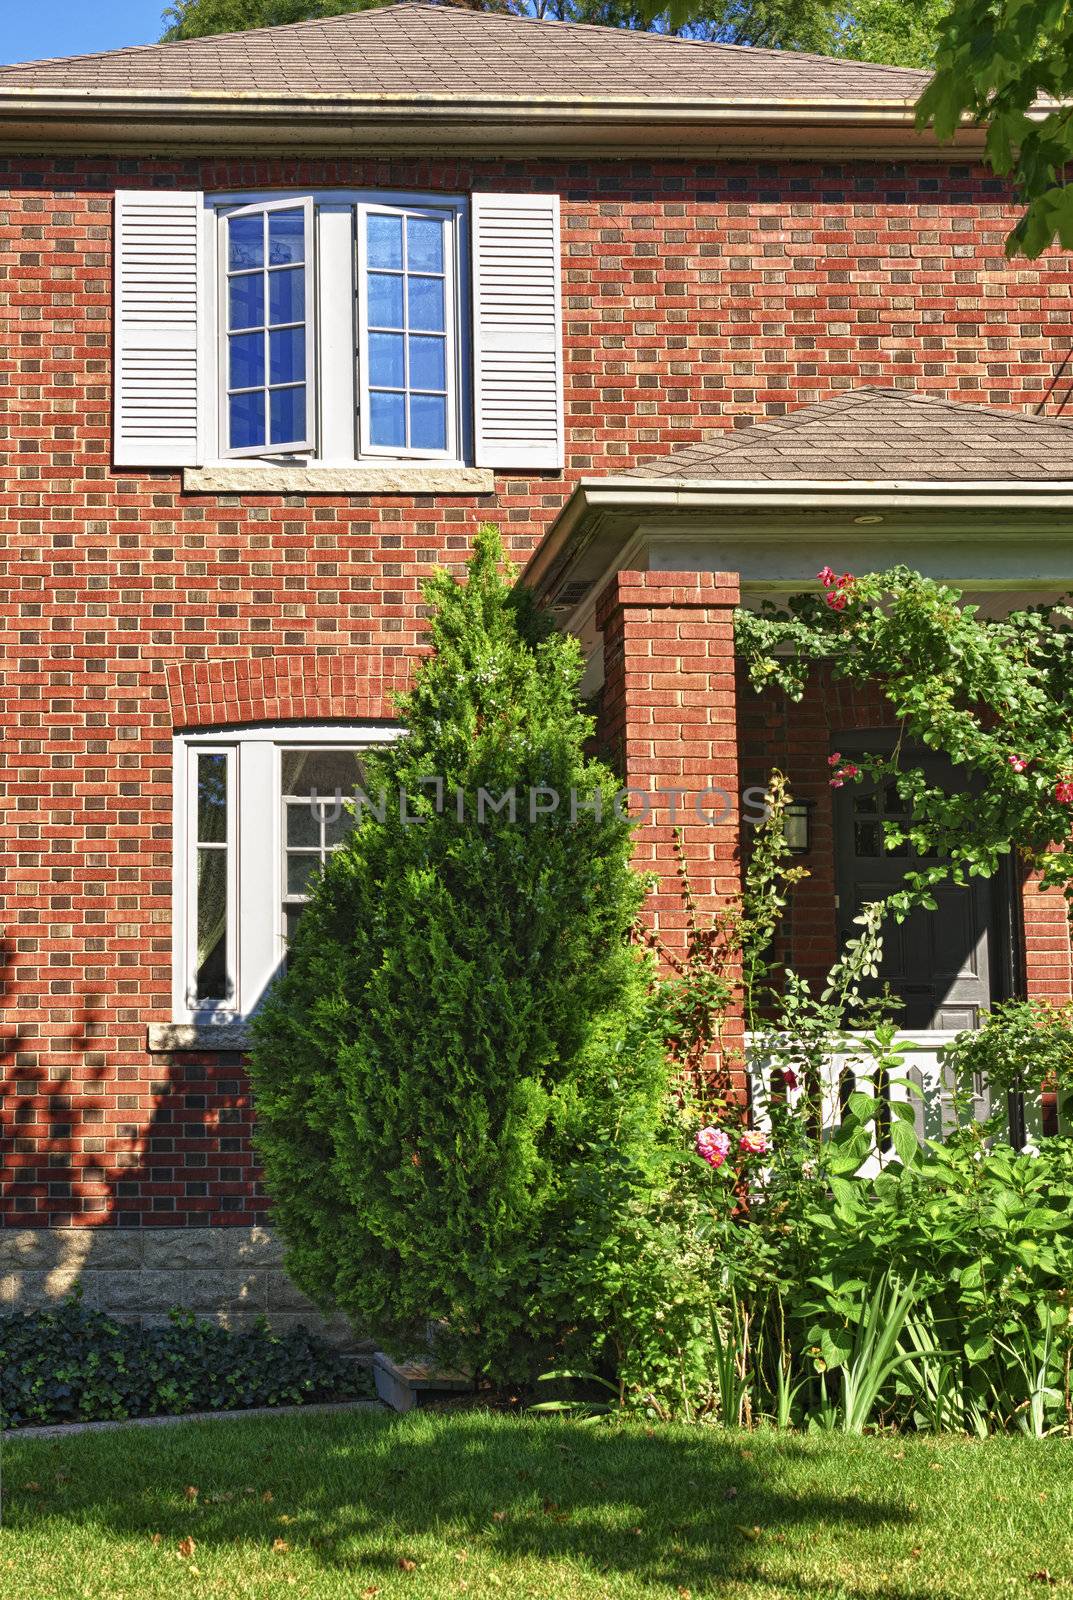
477,1505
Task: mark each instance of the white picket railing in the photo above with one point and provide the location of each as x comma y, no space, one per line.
852,1069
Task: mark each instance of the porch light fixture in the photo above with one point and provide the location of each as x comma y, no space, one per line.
797,826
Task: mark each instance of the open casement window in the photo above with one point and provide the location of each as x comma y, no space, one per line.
338,326
267,341
257,814
408,317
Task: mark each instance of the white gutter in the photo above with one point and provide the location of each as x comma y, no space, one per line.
186,116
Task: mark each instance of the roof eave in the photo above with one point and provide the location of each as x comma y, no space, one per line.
123,119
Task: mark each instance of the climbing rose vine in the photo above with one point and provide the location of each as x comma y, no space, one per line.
993,694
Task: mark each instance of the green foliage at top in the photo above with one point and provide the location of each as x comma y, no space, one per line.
993,694
463,1008
996,59
897,33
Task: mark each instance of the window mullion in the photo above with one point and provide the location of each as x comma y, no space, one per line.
336,356
257,922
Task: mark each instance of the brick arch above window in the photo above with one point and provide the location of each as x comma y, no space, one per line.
284,687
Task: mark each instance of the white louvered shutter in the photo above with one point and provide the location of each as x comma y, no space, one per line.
517,331
158,276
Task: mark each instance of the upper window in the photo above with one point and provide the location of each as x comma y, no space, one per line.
334,328
382,372
258,812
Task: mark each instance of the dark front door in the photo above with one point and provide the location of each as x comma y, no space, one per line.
941,964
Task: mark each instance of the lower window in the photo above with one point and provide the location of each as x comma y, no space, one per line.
257,814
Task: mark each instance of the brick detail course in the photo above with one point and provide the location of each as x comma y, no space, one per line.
696,295
283,688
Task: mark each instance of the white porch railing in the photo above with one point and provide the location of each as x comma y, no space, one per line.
853,1070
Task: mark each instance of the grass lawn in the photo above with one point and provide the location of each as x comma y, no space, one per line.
483,1506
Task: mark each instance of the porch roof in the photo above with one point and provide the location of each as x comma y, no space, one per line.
869,435
980,494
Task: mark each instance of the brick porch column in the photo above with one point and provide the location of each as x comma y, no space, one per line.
669,720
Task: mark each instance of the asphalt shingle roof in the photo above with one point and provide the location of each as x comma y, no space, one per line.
869,435
413,49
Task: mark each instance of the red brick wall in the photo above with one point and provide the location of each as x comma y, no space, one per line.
694,293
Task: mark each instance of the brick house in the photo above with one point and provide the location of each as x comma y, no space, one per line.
286,314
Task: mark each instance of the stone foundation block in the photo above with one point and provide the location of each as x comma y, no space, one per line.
228,1275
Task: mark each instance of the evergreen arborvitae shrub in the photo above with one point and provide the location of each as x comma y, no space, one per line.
463,1011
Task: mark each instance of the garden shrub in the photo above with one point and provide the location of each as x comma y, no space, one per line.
75,1364
457,1002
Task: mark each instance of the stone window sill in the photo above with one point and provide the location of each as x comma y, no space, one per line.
167,1036
257,477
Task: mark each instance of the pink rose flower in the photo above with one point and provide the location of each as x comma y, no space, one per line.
836,600
713,1146
753,1143
789,1078
832,761
836,783
1063,791
850,771
826,576
1018,763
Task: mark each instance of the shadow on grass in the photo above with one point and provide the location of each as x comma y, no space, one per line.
694,1509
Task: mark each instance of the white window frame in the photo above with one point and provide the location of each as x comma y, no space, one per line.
338,426
256,944
294,446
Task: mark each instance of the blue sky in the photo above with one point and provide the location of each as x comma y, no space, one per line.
30,29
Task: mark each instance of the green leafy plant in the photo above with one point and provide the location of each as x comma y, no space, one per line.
76,1364
1022,1047
873,1356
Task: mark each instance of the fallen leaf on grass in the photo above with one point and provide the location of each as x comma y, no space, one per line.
187,1547
461,1555
747,1533
267,1497
1042,1576
33,1486
499,1516
190,1492
280,1546
155,1539
367,1594
406,1565
685,1594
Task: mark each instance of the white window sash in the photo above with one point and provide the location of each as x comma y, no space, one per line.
450,215
187,975
289,446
